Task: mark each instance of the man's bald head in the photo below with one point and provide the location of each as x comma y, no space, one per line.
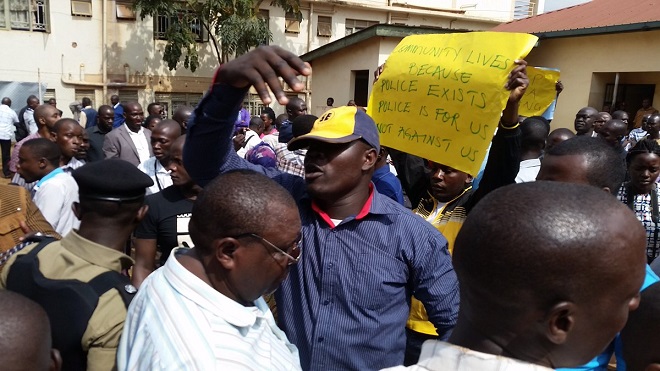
534,131
534,260
557,136
46,115
25,338
613,132
6,101
296,107
235,203
170,127
182,116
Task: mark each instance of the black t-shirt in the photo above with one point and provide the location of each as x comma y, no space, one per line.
166,221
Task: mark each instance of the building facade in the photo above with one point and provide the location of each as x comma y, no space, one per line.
97,48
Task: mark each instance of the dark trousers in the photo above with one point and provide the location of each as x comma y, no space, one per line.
414,341
5,146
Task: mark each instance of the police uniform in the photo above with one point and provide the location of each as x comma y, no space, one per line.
16,206
77,278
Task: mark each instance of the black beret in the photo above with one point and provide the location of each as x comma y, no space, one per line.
111,180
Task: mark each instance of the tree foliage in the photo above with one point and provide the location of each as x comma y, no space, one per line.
233,26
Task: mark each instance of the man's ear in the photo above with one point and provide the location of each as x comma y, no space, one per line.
225,251
76,210
141,213
469,179
55,360
560,321
43,163
370,159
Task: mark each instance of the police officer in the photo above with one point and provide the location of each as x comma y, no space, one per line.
78,280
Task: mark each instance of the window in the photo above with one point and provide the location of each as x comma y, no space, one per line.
172,101
81,8
253,104
355,25
127,96
28,15
125,10
49,94
324,26
291,23
162,23
84,93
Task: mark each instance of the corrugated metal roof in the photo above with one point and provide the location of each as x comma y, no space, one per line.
596,14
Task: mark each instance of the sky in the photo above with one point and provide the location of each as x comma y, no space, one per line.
558,4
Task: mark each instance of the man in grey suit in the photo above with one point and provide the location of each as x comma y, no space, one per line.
129,141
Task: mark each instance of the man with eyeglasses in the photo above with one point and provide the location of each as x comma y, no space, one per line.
203,310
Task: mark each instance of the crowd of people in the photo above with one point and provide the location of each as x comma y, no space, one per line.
217,240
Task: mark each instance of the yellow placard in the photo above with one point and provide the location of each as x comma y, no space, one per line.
440,97
541,91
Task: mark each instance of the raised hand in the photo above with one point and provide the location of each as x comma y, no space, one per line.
262,69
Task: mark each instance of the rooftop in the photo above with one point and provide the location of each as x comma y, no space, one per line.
594,17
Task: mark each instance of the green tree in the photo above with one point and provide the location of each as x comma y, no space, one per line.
233,26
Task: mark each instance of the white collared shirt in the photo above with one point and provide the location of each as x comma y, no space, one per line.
140,142
157,173
441,356
7,120
178,322
31,124
54,195
529,169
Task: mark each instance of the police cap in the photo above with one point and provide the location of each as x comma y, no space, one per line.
111,180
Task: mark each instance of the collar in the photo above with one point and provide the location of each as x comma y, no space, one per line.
72,165
199,292
533,162
363,212
96,254
29,109
50,175
116,105
131,132
88,107
98,130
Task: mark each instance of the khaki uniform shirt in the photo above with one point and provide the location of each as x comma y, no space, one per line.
16,206
77,258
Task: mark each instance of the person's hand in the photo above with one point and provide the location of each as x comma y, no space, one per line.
518,81
262,68
239,141
378,72
559,87
29,233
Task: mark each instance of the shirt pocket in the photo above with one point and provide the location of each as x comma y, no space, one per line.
380,282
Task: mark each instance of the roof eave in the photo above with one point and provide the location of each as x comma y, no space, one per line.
632,27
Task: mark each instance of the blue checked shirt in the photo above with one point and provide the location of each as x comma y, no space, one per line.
345,304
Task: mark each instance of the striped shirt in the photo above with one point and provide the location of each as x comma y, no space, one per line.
345,304
178,322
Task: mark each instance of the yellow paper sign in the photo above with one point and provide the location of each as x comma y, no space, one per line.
440,97
540,92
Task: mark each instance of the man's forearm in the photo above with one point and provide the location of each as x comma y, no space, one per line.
209,132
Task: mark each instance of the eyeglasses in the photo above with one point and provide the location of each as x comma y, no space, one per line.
295,255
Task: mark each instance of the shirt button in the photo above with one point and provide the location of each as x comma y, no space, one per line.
321,339
326,302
